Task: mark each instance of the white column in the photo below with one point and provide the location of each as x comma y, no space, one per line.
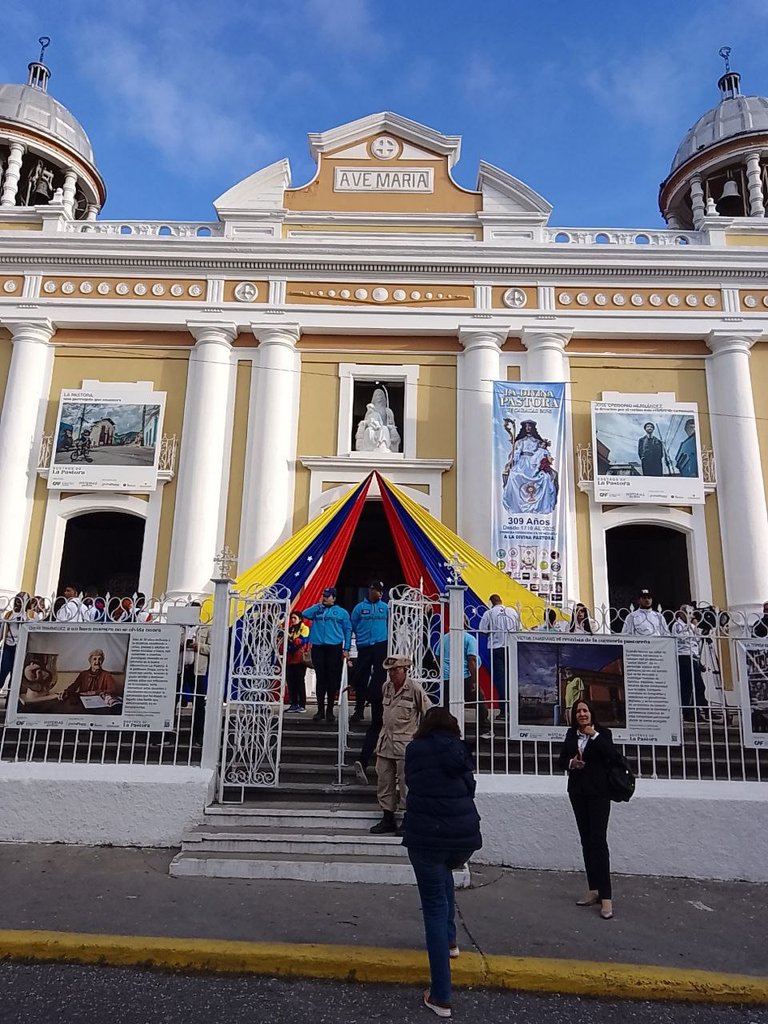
91,211
546,363
479,367
740,494
755,186
204,445
68,192
272,433
21,425
12,175
697,201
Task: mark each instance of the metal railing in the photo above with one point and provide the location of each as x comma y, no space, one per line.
146,228
166,464
586,465
343,734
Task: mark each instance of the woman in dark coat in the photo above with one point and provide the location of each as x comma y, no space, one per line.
441,830
587,751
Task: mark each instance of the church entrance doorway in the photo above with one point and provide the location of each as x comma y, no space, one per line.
371,556
102,553
647,557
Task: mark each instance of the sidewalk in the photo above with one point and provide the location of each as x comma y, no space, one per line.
660,923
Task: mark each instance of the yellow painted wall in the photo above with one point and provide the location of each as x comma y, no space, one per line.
318,416
686,378
6,346
237,460
167,370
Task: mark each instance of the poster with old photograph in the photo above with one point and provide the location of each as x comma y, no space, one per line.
646,448
752,658
631,682
79,676
107,438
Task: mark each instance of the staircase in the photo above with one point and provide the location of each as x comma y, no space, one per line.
308,828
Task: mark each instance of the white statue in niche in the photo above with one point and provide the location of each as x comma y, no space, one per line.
377,431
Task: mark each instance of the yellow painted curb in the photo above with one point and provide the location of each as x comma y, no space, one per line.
364,963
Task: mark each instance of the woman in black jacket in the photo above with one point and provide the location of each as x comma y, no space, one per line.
441,830
587,751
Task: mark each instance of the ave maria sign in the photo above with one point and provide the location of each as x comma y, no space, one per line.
364,179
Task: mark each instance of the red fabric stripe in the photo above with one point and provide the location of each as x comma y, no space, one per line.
328,571
415,571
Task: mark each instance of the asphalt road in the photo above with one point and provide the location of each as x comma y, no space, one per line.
37,993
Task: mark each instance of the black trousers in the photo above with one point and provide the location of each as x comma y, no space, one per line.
691,684
369,670
294,677
327,659
592,813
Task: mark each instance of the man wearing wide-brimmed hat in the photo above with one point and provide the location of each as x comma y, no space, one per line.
404,705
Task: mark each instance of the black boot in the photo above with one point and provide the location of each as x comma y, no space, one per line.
386,827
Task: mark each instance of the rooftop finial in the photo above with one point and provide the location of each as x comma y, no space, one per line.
730,82
39,73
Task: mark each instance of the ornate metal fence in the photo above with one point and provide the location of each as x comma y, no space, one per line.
253,711
416,630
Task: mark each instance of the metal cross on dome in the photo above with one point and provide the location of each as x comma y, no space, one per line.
455,569
224,562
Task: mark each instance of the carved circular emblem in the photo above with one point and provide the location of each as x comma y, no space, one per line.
122,288
86,287
177,290
636,299
9,286
619,299
601,299
691,300
49,286
765,300
399,295
710,300
673,300
67,287
361,293
195,290
582,298
515,298
103,288
140,288
158,289
385,148
750,301
246,291
655,300
380,294
565,298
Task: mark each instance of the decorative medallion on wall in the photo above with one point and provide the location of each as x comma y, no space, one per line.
146,289
385,148
515,298
675,299
246,291
379,295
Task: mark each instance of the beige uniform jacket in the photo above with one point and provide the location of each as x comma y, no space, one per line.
403,712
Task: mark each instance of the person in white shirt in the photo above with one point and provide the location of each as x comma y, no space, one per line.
499,623
644,621
689,646
73,608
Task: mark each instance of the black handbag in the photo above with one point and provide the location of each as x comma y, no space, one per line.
621,780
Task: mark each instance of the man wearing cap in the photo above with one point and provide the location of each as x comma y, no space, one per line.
650,451
370,619
644,621
404,704
330,635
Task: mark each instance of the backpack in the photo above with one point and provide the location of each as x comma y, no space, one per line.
621,780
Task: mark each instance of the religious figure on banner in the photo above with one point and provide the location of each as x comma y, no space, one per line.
529,478
377,431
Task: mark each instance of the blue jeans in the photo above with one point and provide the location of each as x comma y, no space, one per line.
434,878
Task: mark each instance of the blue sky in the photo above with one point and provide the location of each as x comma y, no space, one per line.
585,102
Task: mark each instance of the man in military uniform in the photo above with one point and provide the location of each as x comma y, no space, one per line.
404,705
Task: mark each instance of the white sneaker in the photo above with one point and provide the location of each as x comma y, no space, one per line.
454,952
441,1009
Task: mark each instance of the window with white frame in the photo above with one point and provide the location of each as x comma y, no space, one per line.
377,411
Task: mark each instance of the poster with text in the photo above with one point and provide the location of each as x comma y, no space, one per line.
528,505
753,686
79,676
631,681
107,438
646,448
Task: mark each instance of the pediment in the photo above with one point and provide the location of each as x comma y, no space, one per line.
504,194
259,192
417,140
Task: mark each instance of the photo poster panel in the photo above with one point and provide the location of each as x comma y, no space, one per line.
529,508
752,657
107,438
631,681
79,676
646,448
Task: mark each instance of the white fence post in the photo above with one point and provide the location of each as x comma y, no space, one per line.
217,673
456,652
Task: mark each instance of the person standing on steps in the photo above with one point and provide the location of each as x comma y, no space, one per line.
330,635
370,621
404,704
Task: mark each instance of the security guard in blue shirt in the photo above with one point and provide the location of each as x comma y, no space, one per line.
370,622
330,635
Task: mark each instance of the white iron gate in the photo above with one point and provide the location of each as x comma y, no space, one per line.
252,721
416,630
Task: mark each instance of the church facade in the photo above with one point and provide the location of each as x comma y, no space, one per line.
168,388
